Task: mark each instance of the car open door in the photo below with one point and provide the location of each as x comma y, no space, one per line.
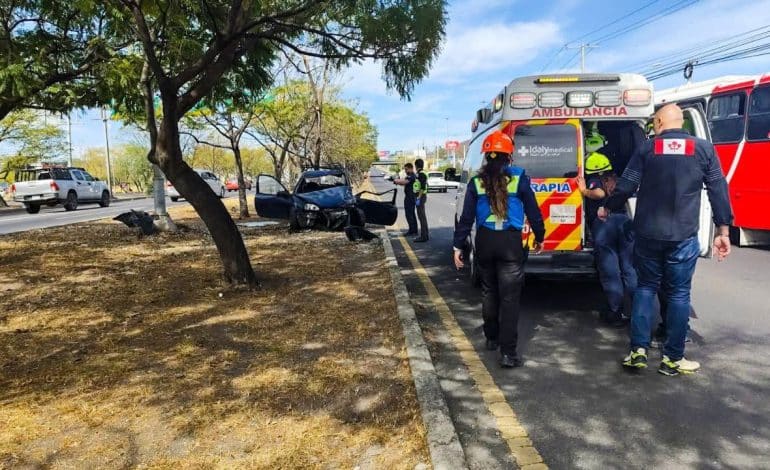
382,212
272,200
695,122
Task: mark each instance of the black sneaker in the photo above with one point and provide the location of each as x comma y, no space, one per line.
509,361
409,233
492,345
420,240
636,359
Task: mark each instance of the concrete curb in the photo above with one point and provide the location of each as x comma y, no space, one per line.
443,443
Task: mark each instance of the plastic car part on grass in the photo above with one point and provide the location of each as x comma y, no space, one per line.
133,218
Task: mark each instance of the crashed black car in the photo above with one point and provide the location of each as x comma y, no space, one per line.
322,199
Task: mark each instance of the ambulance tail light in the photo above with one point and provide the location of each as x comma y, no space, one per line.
523,100
551,99
640,97
608,98
580,99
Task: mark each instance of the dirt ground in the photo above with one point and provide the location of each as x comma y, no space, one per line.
124,352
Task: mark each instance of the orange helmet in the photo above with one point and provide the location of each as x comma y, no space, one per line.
497,142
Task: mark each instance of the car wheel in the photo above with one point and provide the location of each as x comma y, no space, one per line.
32,208
104,201
71,203
174,198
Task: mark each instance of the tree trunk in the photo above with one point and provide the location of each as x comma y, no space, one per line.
2,202
227,237
242,202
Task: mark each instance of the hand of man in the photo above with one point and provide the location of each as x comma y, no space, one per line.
417,202
602,214
722,246
458,256
537,247
581,184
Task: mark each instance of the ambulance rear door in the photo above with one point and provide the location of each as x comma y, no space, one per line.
550,150
695,122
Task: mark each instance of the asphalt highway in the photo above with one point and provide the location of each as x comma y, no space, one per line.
581,410
20,221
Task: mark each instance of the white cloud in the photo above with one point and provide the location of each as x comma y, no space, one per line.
488,48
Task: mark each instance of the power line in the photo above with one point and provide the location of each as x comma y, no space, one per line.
650,19
754,51
600,28
689,51
720,47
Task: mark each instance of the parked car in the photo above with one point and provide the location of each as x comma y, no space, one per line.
321,199
67,186
436,182
214,182
232,184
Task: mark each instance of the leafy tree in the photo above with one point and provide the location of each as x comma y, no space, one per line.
60,55
191,49
131,169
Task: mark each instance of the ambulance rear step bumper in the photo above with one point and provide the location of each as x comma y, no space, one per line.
562,264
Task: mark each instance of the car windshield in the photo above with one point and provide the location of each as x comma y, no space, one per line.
317,183
435,175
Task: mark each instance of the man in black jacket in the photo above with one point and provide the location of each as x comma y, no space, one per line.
669,172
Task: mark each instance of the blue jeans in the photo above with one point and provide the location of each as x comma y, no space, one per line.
613,251
670,264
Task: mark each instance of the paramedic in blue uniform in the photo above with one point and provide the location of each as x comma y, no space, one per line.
669,172
612,238
496,200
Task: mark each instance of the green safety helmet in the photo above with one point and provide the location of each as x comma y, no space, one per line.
595,141
597,163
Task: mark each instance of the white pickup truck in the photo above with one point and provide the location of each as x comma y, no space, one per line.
57,185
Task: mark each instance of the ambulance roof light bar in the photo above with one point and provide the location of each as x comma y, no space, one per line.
585,78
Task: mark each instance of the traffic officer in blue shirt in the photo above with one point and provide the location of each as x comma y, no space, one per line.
496,200
669,172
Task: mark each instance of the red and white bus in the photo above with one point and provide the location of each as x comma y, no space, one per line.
738,114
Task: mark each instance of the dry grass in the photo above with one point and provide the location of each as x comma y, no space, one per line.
118,351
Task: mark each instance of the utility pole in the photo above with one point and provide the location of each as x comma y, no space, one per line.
69,136
107,141
583,48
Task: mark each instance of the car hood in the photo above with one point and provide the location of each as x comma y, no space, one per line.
329,198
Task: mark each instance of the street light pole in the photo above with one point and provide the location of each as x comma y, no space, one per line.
107,142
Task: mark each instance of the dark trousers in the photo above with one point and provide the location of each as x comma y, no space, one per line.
501,265
613,251
411,218
671,265
422,217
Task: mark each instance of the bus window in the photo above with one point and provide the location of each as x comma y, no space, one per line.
726,117
546,151
759,115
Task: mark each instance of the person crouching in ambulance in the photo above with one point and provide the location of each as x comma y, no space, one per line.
613,238
496,200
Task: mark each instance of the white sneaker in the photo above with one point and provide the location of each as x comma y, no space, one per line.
682,366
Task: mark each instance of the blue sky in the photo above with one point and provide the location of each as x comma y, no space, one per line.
491,42
488,43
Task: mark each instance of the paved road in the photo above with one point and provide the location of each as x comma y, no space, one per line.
20,221
580,408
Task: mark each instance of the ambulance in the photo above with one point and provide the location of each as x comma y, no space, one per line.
548,118
738,113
